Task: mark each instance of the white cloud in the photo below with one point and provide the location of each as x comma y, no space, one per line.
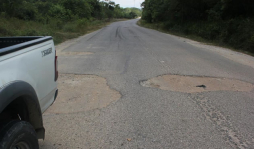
129,3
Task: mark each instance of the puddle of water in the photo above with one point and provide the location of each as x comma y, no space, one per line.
189,84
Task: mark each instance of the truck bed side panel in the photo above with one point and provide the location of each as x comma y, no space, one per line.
33,66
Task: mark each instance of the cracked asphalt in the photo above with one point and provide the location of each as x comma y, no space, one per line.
124,55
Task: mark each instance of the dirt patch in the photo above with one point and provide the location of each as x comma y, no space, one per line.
82,93
189,84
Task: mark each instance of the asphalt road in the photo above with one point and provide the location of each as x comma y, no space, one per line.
149,117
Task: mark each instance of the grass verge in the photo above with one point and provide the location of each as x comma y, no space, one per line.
59,30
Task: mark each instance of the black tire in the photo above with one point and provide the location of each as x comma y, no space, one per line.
18,135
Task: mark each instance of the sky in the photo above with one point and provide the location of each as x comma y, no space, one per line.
129,3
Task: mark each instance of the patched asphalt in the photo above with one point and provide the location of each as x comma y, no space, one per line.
123,55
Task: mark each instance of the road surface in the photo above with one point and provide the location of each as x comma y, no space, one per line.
125,86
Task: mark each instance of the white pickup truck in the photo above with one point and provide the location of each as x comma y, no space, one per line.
28,75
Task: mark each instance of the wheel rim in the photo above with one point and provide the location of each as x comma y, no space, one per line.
21,145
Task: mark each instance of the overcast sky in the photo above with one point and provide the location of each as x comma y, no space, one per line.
128,3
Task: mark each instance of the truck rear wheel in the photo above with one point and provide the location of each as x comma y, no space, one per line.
18,135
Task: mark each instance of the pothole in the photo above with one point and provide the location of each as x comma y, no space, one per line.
79,93
73,53
189,84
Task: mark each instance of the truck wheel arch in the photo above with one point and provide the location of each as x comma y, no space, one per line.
22,96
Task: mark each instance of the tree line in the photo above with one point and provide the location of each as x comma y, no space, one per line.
62,19
229,22
65,10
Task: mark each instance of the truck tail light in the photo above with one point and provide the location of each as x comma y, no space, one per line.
56,67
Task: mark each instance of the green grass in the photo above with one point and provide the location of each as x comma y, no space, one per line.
203,32
59,30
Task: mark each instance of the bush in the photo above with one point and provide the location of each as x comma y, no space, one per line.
70,27
82,23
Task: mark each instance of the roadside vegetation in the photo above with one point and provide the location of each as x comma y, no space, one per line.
62,19
223,22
